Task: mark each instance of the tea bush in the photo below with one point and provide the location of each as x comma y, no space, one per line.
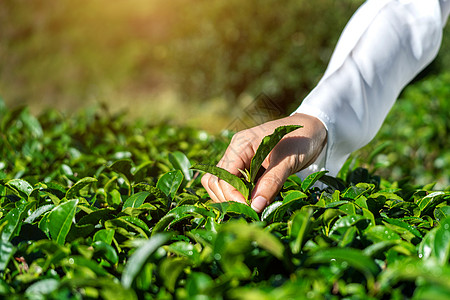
101,206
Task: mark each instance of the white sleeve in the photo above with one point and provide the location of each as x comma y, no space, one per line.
384,46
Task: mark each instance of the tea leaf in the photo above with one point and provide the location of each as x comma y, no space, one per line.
267,144
223,174
180,162
75,189
135,200
140,257
170,182
60,219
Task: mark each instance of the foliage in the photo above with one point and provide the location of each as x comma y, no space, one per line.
414,137
101,207
210,49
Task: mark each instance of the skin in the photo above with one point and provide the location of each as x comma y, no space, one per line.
296,151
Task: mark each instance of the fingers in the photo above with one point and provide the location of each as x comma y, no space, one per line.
268,186
221,191
237,156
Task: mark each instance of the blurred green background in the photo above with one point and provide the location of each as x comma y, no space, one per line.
200,63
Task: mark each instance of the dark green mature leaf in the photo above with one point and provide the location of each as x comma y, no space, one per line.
170,182
140,257
10,225
310,180
106,251
75,189
59,220
441,213
223,174
429,202
123,166
299,226
135,200
180,162
181,212
267,144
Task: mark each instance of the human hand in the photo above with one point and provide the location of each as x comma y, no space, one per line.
296,151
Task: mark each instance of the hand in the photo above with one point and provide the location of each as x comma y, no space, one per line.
296,151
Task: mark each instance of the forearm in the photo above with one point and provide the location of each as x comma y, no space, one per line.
385,44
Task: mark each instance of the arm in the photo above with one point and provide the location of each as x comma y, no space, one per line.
385,44
383,47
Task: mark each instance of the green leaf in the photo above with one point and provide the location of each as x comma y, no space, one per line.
10,225
104,235
404,225
140,257
60,219
32,123
310,180
38,212
135,200
223,174
105,251
80,262
180,162
429,202
170,182
40,289
299,227
235,208
6,252
266,145
123,166
75,189
22,188
269,212
181,212
441,247
353,257
441,213
170,270
381,233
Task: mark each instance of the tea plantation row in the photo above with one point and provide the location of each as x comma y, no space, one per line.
96,206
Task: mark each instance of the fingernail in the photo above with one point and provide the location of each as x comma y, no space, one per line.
259,203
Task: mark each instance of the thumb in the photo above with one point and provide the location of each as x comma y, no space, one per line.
268,186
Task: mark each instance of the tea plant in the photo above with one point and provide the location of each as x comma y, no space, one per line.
96,207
